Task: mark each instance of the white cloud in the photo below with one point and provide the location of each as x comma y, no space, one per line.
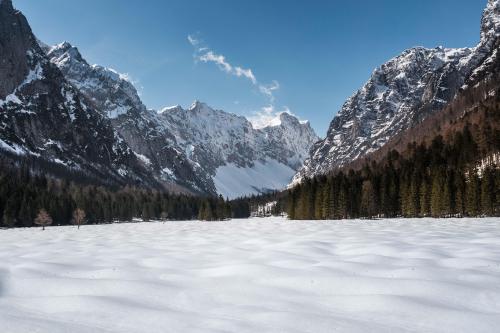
246,73
193,40
218,59
206,55
269,89
268,116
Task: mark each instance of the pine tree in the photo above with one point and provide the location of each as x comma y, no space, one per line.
368,199
460,194
488,192
10,213
473,189
26,212
318,202
425,196
437,196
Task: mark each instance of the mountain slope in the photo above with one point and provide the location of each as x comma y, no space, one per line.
44,117
206,150
117,99
240,158
399,95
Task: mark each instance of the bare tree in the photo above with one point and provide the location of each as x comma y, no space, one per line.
78,217
43,218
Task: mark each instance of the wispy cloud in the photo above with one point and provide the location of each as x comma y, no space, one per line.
268,115
269,89
206,55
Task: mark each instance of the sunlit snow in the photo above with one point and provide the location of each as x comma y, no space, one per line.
232,181
260,275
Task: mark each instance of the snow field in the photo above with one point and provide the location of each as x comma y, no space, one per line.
258,275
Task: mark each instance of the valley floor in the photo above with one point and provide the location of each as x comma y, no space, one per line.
258,275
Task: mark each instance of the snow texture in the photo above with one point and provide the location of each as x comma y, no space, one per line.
259,275
233,182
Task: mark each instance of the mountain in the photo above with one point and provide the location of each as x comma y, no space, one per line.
400,94
202,149
239,158
117,99
43,116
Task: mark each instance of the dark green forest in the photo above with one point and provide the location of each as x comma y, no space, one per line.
453,177
24,191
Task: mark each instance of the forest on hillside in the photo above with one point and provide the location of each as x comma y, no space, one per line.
454,177
25,191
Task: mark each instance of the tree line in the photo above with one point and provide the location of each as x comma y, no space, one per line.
24,193
454,177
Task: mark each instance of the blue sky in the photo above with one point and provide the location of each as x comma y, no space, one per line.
317,52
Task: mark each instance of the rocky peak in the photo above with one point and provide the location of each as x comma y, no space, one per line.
400,94
112,92
288,119
65,52
17,49
490,24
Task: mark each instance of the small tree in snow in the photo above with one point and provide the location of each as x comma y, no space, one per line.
78,217
43,218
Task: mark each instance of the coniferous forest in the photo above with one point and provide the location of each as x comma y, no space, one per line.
454,177
24,192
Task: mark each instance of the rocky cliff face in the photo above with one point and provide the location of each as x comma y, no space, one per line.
117,99
206,150
240,158
43,116
399,95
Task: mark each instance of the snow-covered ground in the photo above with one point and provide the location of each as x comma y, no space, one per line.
234,182
260,275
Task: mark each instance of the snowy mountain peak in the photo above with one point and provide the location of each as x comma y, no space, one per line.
189,146
286,117
44,116
400,94
240,158
490,24
198,106
172,108
65,52
113,92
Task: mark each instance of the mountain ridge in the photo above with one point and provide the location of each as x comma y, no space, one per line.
45,117
400,94
188,146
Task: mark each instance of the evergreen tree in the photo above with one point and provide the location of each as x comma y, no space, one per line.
10,213
473,194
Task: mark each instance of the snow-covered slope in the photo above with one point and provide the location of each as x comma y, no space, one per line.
400,94
243,159
259,275
207,150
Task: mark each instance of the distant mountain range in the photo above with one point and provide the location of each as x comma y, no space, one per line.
57,107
